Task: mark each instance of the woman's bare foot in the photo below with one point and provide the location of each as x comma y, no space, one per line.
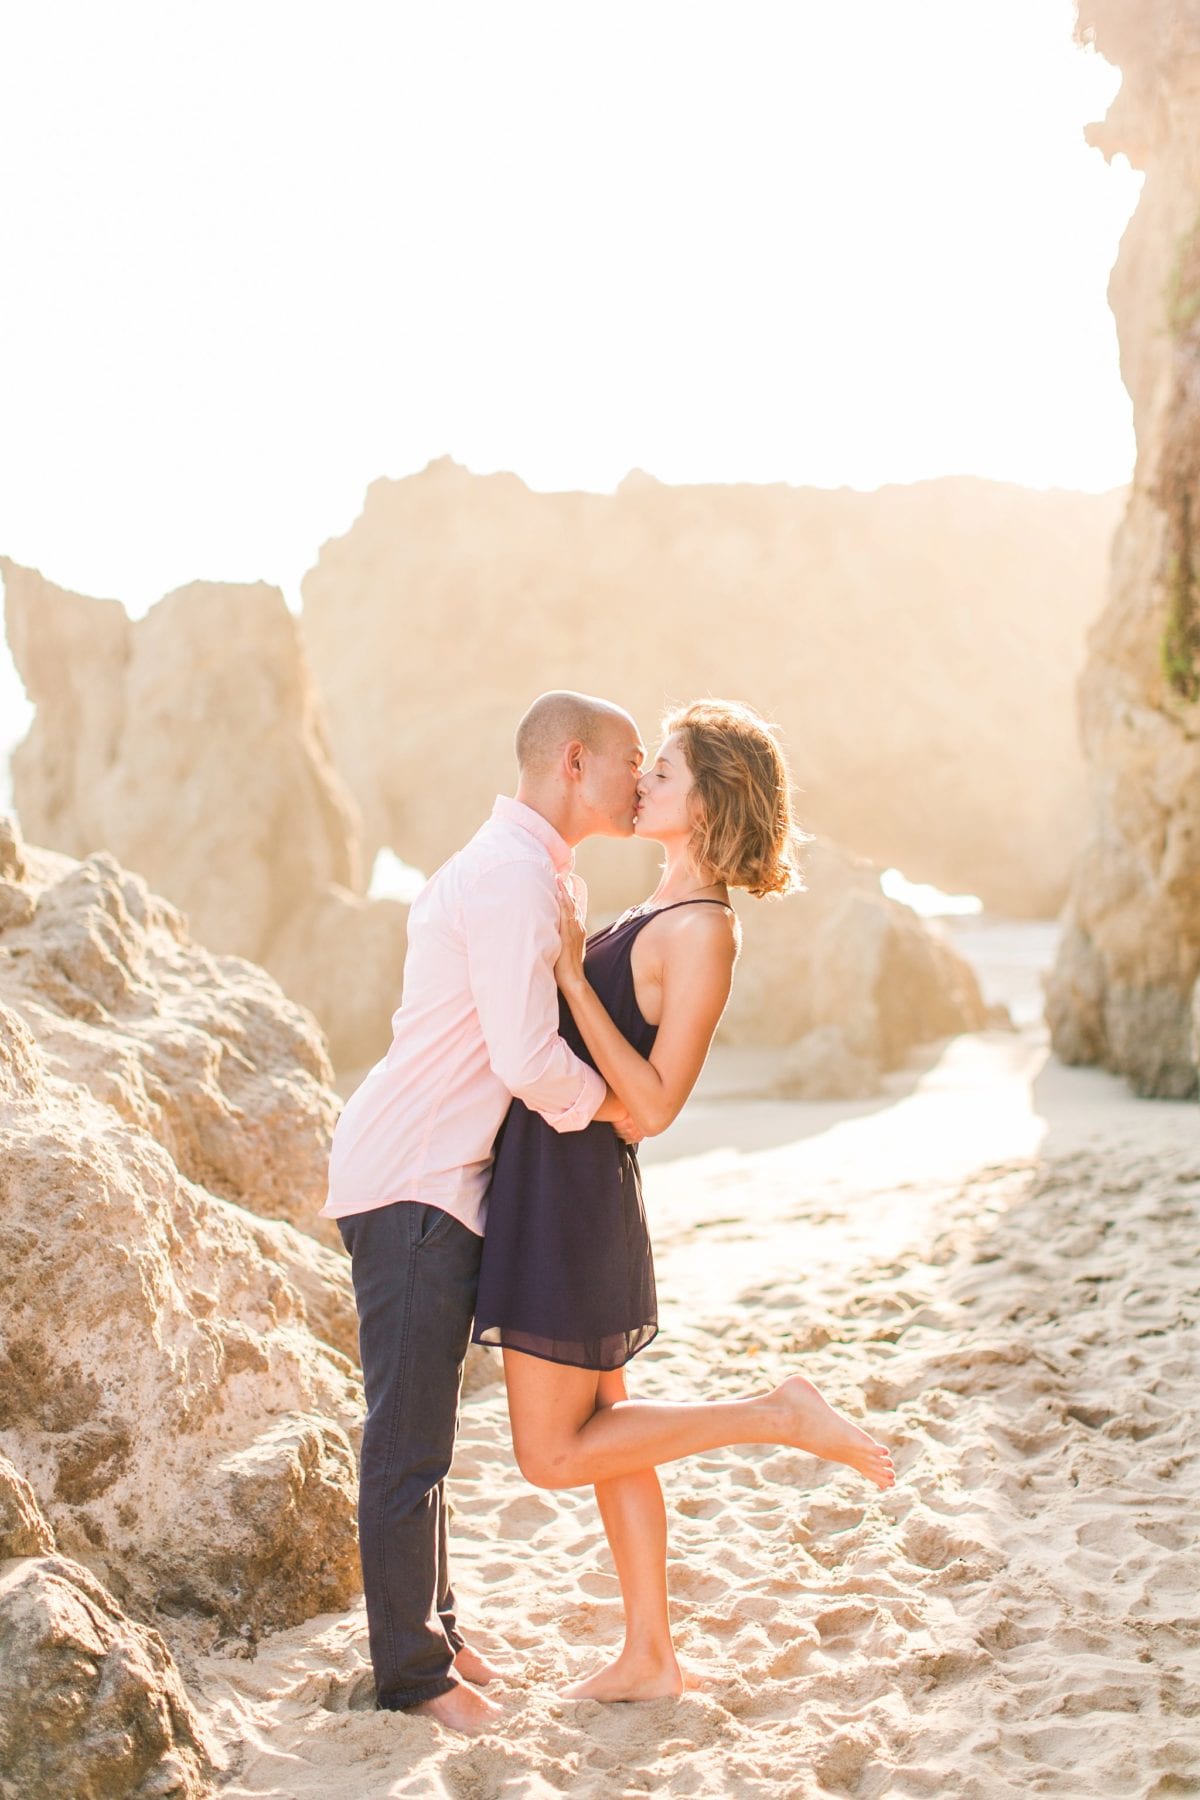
461,1709
630,1677
813,1425
473,1666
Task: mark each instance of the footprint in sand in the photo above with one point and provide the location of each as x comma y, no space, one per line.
1111,1698
794,1656
930,1546
1106,1535
599,1584
829,1519
695,1582
842,1767
1139,1428
830,1534
1091,1416
1163,1533
1006,1634
526,1513
350,1693
943,1668
744,1474
584,1545
713,1624
695,1506
884,1393
842,1622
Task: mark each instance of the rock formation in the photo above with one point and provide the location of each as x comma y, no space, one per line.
918,645
191,745
91,1703
1122,993
848,978
175,1383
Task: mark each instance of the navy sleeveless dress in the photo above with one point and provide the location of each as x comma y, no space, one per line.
567,1272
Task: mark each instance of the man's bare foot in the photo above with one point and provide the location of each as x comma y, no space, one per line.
473,1666
461,1709
813,1425
631,1677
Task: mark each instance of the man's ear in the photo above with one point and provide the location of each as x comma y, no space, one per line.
573,760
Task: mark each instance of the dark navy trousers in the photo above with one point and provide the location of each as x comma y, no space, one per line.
415,1271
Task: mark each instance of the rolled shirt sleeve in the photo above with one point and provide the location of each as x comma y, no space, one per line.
510,925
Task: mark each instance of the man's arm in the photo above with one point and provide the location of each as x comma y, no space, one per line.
510,923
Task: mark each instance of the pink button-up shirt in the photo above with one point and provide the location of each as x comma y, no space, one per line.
478,1023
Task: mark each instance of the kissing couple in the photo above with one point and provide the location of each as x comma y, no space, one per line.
526,1063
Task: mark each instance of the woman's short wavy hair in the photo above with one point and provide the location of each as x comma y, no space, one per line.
745,830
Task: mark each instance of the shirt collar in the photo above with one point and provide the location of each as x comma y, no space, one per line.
517,813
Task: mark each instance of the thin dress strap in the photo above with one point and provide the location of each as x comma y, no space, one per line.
654,912
634,917
675,903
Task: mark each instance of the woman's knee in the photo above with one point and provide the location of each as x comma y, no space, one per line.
545,1465
548,1405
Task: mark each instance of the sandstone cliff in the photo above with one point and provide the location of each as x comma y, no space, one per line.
1122,991
918,645
192,746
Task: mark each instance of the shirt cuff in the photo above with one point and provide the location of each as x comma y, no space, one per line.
583,1110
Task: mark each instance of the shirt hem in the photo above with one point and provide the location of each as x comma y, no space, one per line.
352,1212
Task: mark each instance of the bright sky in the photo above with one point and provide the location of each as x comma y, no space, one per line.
257,254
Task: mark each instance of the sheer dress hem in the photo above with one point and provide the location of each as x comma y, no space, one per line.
603,1354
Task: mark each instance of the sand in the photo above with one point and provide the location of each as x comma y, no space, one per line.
995,1265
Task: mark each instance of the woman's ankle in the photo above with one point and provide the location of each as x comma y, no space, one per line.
649,1653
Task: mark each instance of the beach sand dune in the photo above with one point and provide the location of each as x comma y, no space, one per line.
995,1266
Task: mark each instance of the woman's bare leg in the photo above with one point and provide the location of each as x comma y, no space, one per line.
635,1523
562,1439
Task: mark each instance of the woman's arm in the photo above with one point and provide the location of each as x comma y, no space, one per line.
698,954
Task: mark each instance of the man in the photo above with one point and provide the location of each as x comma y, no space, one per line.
408,1174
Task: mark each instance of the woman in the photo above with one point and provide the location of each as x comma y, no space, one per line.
567,1282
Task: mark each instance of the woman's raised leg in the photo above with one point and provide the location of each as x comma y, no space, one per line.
562,1439
635,1523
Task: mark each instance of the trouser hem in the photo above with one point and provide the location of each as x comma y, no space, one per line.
400,1698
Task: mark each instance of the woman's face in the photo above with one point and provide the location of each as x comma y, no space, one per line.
665,810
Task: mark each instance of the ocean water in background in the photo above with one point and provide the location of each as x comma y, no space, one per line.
1011,957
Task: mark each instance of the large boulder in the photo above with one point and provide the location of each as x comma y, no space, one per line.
192,746
91,1703
342,957
1121,992
848,978
200,1052
918,646
176,1383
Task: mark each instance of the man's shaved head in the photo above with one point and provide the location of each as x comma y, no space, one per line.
562,717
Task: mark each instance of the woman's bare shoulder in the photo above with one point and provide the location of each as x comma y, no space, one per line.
698,927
